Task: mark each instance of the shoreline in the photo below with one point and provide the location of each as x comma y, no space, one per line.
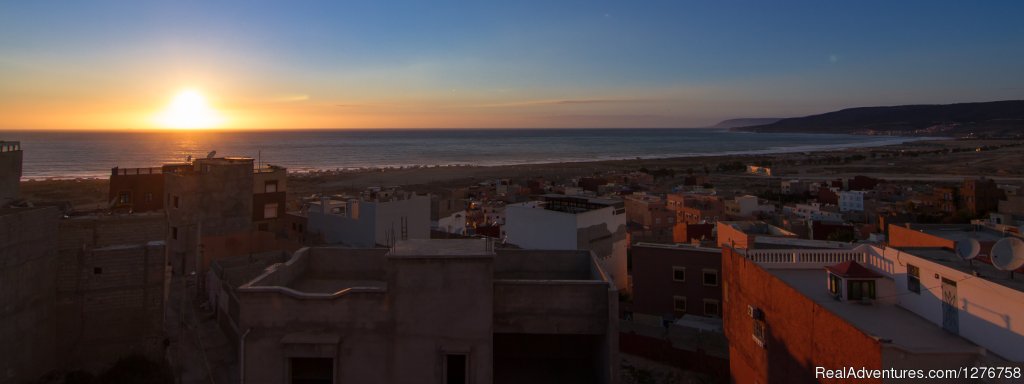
808,149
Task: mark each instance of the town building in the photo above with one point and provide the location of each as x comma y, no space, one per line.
648,218
761,235
375,217
112,284
269,194
210,197
572,223
448,311
670,281
759,170
851,201
980,196
696,209
746,206
136,190
10,171
28,292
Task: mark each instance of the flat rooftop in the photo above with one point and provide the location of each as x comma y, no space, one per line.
443,247
961,232
886,322
985,270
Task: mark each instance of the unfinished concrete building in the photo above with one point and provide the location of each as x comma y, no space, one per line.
28,255
436,311
111,288
10,171
209,197
269,186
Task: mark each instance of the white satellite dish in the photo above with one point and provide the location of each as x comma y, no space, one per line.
1008,254
968,249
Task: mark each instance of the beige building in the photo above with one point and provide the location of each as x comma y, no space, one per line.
426,311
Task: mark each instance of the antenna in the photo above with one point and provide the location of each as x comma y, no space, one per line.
968,249
1008,254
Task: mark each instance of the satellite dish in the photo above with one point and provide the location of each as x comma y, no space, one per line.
1008,254
968,249
211,154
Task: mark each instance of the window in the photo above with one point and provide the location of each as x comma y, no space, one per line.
270,210
174,233
760,332
270,186
710,277
913,279
834,283
710,307
125,197
149,197
97,270
456,368
176,202
679,274
311,370
679,303
860,289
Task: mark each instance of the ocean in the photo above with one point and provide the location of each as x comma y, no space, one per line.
71,154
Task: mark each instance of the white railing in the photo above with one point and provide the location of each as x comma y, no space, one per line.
810,256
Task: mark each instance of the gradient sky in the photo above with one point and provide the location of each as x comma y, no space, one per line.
321,64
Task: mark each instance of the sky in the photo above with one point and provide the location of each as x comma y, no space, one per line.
496,64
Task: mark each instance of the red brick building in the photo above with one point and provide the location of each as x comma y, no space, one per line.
824,309
672,280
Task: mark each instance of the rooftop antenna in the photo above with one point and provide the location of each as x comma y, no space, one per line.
211,154
1008,254
968,249
188,159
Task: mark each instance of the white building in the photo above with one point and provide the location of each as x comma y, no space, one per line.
572,222
973,300
377,217
851,201
813,212
747,206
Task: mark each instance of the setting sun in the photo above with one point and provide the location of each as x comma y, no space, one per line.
189,110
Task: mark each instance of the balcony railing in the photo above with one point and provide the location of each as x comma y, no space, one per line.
811,256
116,171
10,146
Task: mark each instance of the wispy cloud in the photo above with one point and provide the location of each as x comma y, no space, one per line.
556,102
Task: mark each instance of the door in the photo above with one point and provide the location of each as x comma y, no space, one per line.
950,310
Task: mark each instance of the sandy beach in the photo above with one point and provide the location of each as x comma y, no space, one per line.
932,161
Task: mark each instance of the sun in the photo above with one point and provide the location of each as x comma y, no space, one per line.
189,110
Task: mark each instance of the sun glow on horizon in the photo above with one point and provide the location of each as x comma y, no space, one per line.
189,110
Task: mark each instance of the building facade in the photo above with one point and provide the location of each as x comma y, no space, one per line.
336,315
572,223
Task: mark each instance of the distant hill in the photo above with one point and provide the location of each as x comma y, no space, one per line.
997,118
747,122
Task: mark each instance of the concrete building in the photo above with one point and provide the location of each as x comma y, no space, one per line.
670,281
794,187
747,206
572,223
761,235
28,316
269,194
759,170
446,311
851,201
814,211
112,280
696,209
376,217
980,196
10,171
136,189
206,198
790,311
